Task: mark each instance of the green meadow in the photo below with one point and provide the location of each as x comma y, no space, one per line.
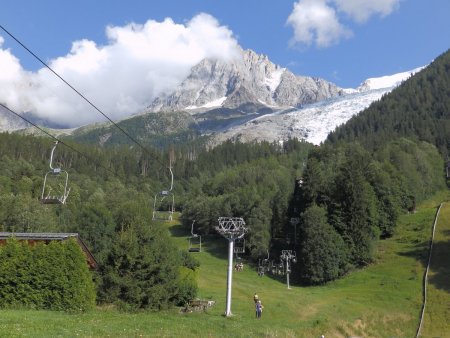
382,300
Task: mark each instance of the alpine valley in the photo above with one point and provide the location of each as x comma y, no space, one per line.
248,98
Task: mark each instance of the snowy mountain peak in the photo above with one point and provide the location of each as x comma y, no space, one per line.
313,122
252,78
388,81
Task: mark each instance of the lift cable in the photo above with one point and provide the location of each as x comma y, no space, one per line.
59,140
73,88
82,96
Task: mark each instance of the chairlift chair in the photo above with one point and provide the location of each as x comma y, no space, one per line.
239,245
55,175
264,265
261,270
195,241
239,266
163,208
280,270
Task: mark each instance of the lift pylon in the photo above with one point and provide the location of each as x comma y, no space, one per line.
231,228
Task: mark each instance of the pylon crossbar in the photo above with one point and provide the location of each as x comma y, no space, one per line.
287,254
231,227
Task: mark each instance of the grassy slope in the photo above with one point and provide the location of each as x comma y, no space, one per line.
382,300
437,311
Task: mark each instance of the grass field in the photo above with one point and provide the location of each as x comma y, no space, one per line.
382,300
437,310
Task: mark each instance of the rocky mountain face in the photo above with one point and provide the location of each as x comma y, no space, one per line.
10,122
246,99
313,122
251,79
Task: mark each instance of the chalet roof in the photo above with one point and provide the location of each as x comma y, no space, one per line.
38,235
52,236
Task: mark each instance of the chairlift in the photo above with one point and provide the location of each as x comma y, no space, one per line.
239,266
261,270
280,269
54,181
195,241
264,265
164,202
294,257
239,245
273,268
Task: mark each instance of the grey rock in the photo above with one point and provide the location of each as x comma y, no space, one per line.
250,78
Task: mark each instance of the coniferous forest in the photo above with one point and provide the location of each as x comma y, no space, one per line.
346,194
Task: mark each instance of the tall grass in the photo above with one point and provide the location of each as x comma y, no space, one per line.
381,300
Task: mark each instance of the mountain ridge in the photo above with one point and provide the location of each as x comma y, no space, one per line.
249,99
252,78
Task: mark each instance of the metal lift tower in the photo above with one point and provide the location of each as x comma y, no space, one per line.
231,228
288,256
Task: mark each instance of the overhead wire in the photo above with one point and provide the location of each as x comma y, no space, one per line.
71,87
56,138
63,143
82,96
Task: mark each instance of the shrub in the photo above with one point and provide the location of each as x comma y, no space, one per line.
53,276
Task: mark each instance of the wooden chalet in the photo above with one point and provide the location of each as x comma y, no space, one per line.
32,238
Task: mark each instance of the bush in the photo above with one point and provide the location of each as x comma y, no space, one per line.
53,276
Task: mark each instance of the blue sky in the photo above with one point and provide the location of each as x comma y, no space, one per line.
342,41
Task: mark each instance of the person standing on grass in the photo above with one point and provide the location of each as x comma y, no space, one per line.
255,297
259,308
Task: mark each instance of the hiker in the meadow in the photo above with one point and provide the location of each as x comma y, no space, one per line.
259,309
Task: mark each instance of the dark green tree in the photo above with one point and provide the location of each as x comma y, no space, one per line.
323,254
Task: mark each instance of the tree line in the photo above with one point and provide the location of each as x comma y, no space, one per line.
109,206
418,109
351,191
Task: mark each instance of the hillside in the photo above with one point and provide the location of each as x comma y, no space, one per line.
419,108
156,130
354,200
382,300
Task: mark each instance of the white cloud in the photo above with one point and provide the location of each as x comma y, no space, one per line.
139,62
319,22
316,22
13,79
362,10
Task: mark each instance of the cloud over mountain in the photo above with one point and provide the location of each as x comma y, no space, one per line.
139,62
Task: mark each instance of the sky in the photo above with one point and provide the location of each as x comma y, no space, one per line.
123,54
